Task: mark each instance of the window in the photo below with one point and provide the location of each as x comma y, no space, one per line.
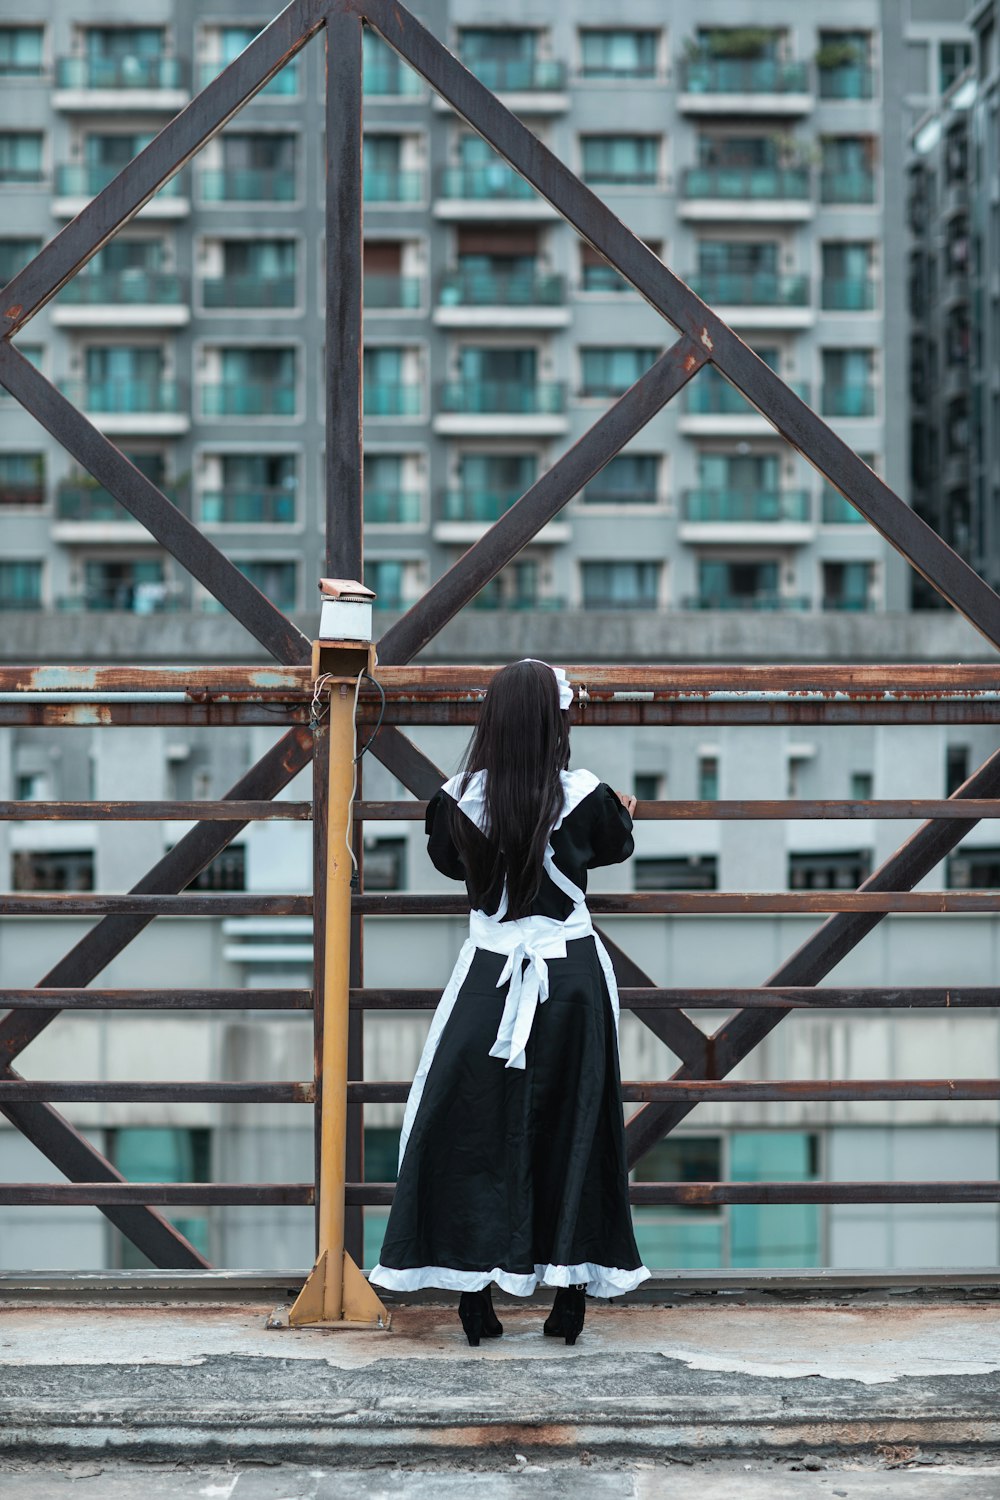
250,382
847,282
708,778
848,585
610,372
953,59
772,1234
973,869
647,786
230,41
33,786
53,870
621,585
861,786
682,1234
488,484
956,768
847,169
620,160
848,383
20,51
392,381
22,479
385,864
396,581
20,156
390,175
257,273
739,585
277,580
698,872
250,489
840,870
20,584
844,63
505,58
15,255
148,1154
393,489
137,586
256,168
227,872
618,54
386,73
629,479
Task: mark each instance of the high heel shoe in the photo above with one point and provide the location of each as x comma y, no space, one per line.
478,1318
565,1321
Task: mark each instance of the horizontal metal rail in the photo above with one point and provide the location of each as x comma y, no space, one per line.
66,999
746,1091
961,997
379,1194
785,809
72,1091
209,904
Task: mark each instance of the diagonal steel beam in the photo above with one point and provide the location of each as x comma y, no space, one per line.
164,521
669,295
176,143
819,954
545,499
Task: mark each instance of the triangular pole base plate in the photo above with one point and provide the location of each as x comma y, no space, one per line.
361,1306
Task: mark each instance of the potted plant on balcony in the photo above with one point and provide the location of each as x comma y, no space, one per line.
838,55
732,41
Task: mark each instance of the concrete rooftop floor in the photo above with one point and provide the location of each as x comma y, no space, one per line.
880,1381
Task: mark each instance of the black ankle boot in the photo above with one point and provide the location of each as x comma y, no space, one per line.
566,1318
478,1318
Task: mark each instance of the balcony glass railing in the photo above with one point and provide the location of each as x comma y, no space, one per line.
744,75
594,495
592,600
750,288
517,75
387,75
837,511
847,294
18,492
132,599
248,398
385,398
842,602
247,185
283,85
382,291
746,182
77,501
493,180
79,179
501,289
16,601
543,398
851,81
748,601
248,291
120,73
747,505
393,507
239,507
132,286
854,400
125,397
716,397
478,505
487,599
847,187
383,185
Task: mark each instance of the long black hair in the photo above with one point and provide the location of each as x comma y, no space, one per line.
522,743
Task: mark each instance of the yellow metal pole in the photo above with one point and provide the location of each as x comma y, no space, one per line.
336,1291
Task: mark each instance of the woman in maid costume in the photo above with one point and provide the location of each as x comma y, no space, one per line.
512,1156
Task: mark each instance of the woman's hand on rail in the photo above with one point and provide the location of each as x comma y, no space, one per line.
627,801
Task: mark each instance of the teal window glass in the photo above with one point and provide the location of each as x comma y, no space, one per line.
20,51
680,1236
610,372
620,160
620,585
628,479
774,1234
235,39
20,156
15,255
618,54
385,576
149,1154
20,583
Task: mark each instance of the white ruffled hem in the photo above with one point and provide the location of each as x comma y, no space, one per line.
601,1281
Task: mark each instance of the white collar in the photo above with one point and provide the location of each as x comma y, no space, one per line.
576,786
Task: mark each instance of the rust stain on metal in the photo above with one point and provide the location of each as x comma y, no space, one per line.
706,340
14,311
690,360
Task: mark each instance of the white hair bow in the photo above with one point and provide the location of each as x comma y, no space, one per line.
562,681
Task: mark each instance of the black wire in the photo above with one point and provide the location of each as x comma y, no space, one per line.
381,714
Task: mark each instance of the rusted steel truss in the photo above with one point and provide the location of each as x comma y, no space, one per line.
635,695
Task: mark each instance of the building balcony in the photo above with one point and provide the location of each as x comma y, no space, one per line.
468,513
78,182
248,398
247,292
755,602
745,86
855,400
393,508
850,81
775,516
87,512
746,193
596,494
399,398
527,86
21,494
756,299
489,598
847,294
247,185
470,299
474,192
500,407
847,187
131,407
132,298
399,186
385,293
284,85
714,408
128,83
389,77
836,511
131,599
237,507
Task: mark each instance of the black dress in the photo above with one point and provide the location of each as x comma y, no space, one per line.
513,1162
